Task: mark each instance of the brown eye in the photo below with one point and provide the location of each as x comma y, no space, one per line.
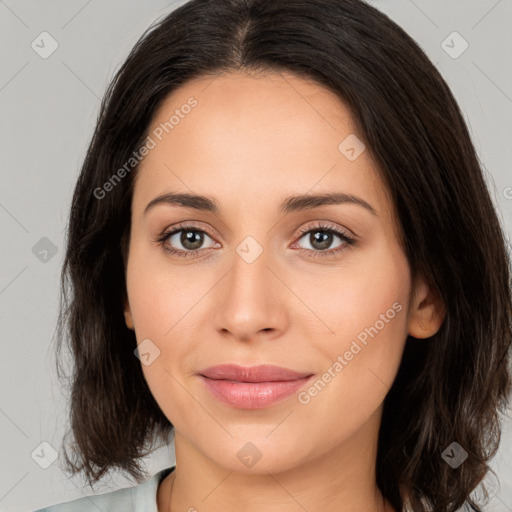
321,239
189,239
185,240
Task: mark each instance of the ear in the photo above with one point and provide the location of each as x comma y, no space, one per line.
427,310
128,315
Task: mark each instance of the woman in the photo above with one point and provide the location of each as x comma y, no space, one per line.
282,252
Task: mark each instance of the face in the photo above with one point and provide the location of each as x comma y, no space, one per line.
324,290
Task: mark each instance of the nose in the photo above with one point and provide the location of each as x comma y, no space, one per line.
251,300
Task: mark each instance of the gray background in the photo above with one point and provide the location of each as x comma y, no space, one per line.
49,108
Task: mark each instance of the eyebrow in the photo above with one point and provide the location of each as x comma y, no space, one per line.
290,204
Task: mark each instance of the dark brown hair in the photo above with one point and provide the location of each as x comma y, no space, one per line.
449,388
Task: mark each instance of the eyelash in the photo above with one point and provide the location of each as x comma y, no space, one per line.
348,240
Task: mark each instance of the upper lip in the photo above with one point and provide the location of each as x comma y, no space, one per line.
260,373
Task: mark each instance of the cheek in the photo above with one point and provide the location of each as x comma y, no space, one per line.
369,295
367,311
162,298
160,294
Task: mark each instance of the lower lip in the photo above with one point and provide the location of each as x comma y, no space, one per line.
252,395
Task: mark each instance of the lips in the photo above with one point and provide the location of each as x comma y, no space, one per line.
261,373
252,387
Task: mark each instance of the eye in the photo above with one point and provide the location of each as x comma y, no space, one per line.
321,237
191,239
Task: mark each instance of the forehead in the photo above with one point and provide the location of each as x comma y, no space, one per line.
253,136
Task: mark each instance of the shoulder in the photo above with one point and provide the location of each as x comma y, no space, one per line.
129,499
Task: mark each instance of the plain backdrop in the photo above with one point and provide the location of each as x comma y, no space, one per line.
49,105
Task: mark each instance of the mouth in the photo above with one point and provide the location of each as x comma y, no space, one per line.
260,373
252,387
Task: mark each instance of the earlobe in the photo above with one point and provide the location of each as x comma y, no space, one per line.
427,312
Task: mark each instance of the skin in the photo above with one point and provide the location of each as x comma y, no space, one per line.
251,141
